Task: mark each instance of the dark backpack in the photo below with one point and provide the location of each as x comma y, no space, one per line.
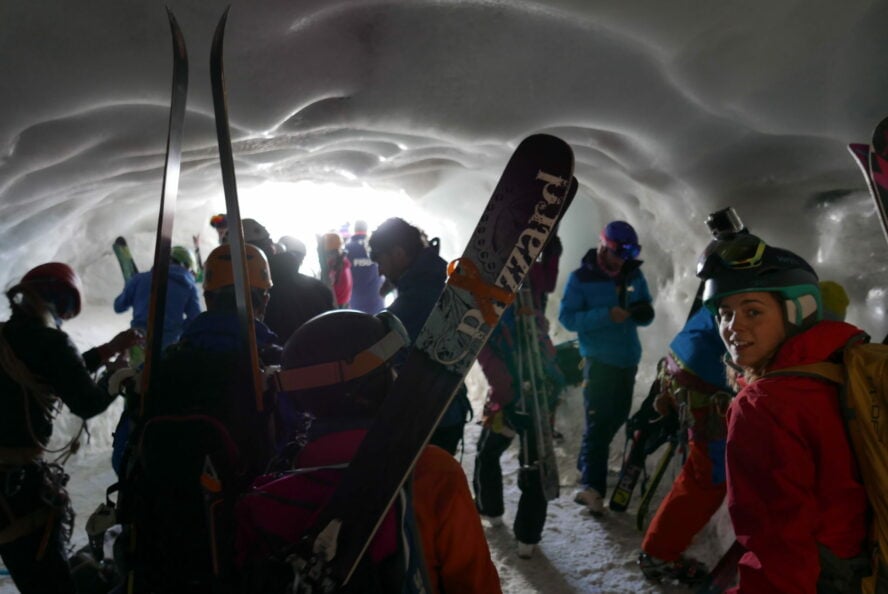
177,506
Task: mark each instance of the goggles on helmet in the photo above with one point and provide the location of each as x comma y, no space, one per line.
626,251
738,253
338,372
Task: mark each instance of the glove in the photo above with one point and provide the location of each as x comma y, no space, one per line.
125,375
641,313
120,343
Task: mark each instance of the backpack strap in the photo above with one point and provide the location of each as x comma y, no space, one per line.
831,372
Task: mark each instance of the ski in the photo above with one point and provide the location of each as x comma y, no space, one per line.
862,155
172,166
878,170
873,163
235,230
724,574
539,449
195,239
650,492
124,258
525,207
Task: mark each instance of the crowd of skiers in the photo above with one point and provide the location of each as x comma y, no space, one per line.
219,480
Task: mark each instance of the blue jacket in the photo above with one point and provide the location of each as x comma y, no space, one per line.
585,308
365,276
182,302
699,349
418,290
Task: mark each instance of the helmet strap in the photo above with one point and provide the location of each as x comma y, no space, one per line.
339,372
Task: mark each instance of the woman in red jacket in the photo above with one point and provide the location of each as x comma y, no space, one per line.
795,500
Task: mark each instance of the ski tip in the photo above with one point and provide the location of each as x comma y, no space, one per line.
220,28
179,49
120,241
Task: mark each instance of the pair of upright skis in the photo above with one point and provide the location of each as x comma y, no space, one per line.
527,204
172,166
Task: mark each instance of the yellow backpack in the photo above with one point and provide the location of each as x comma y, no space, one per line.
863,391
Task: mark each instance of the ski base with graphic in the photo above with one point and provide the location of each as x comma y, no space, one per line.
523,212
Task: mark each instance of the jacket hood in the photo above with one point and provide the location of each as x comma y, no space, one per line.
180,275
814,345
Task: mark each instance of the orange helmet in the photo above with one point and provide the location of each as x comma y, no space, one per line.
219,273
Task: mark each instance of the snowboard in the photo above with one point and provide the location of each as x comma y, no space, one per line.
124,258
525,207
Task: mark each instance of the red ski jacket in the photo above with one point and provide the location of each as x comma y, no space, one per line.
792,477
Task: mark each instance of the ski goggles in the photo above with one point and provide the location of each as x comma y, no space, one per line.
219,221
626,251
338,372
741,252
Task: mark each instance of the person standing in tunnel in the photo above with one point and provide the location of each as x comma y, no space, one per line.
336,268
39,366
182,306
794,491
413,265
605,301
295,298
366,281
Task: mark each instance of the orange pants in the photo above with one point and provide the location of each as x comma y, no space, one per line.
686,509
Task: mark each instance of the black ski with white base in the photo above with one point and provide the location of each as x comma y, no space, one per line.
525,208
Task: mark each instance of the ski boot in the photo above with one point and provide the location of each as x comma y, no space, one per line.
686,571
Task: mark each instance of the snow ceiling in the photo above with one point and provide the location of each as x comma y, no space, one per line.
674,109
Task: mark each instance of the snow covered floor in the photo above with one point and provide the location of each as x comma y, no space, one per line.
578,554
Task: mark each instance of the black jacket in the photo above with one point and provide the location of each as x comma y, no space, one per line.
295,297
53,360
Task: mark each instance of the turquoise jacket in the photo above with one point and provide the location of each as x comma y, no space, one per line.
585,309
